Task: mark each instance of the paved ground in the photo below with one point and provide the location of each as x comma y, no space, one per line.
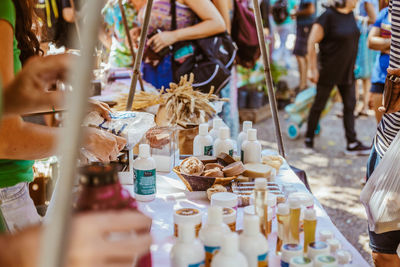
334,177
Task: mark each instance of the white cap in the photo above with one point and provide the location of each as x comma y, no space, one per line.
224,199
343,256
291,250
224,133
230,244
301,261
294,203
247,125
214,215
144,151
260,183
203,129
283,209
324,235
252,135
228,215
187,215
334,245
325,260
306,199
186,232
271,200
249,210
310,215
217,123
251,225
317,248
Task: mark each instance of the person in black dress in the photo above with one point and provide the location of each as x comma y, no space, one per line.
337,34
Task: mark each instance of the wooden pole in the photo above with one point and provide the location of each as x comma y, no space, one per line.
268,77
128,36
54,244
139,55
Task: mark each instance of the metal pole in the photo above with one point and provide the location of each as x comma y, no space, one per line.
128,36
55,237
139,55
268,77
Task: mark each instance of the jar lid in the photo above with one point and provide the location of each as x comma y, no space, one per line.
291,250
343,256
224,200
325,260
229,215
334,245
301,261
188,215
317,248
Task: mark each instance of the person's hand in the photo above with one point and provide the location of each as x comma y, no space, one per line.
103,145
135,34
102,108
314,75
28,93
161,40
91,244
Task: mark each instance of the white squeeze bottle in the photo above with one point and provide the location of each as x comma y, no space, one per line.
251,148
223,144
203,142
229,256
217,123
188,251
144,172
253,244
243,134
213,232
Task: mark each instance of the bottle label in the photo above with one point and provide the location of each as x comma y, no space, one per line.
200,264
262,260
208,150
231,152
145,182
242,155
210,252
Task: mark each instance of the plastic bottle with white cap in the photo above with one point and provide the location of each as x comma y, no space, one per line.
223,144
294,221
325,260
251,148
144,171
343,257
289,251
310,224
334,245
203,142
317,248
301,261
282,215
217,123
243,134
260,203
213,232
253,244
187,251
229,255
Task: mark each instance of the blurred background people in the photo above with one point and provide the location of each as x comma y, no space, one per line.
379,39
337,34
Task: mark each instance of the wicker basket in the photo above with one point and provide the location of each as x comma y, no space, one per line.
201,183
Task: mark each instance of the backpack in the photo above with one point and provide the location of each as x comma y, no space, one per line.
209,59
280,11
244,33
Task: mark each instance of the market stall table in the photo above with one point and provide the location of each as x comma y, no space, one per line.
172,194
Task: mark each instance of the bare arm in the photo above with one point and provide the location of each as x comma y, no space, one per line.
369,7
223,7
316,35
376,42
6,52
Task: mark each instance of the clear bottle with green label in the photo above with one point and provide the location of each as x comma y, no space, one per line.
203,142
144,172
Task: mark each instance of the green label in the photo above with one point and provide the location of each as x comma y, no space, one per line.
145,182
208,150
231,152
242,155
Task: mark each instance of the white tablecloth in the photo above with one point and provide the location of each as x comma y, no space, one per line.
172,194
